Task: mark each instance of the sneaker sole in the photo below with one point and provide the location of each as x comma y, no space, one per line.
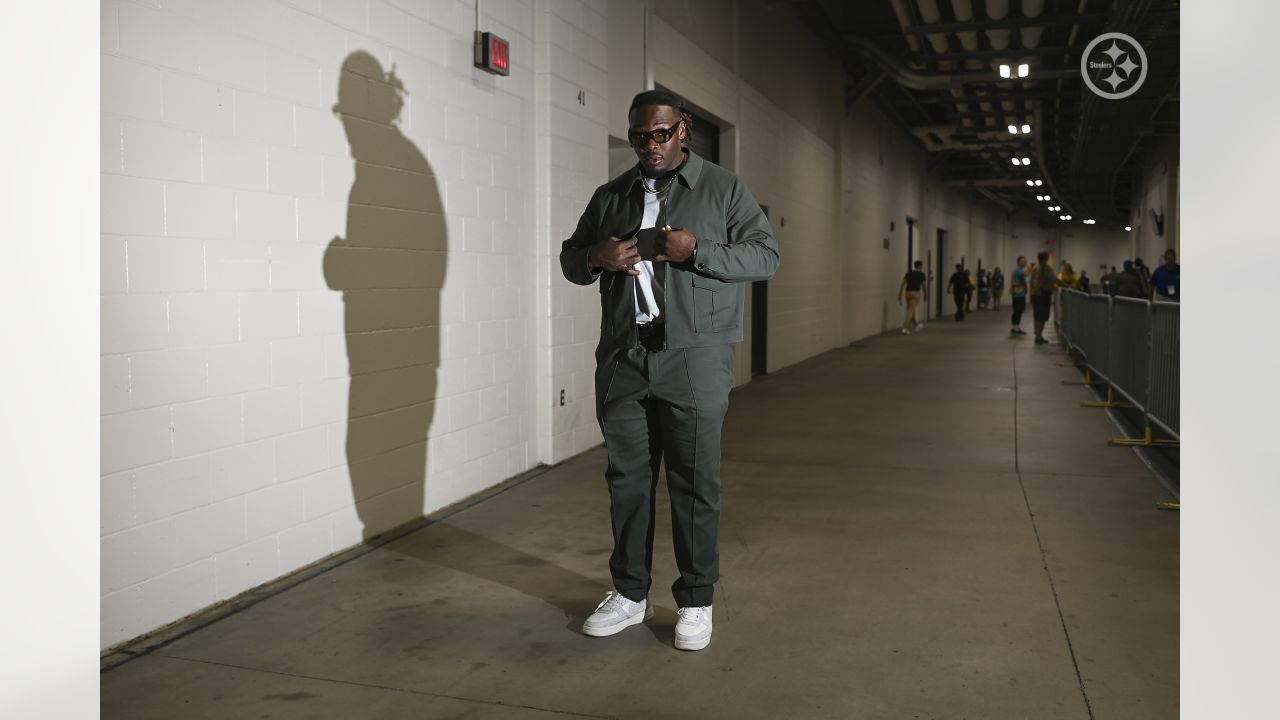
619,627
692,644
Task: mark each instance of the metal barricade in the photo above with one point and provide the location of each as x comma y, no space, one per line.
1164,374
1129,340
1097,320
1132,347
1073,310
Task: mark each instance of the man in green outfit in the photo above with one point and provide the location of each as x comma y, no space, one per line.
671,241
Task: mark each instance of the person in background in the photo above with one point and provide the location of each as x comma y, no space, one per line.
1144,277
1127,283
984,288
957,286
1109,282
1043,285
915,287
1067,276
1082,282
969,286
1166,280
1018,294
997,288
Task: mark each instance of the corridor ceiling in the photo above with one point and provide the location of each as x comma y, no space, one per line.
933,66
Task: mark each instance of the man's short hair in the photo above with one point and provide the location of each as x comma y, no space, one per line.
959,266
1042,256
1022,257
658,97
919,263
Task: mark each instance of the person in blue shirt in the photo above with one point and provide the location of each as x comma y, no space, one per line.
1018,293
1166,279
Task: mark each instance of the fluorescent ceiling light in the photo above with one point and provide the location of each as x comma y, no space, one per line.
1026,128
1039,183
1026,161
1024,70
1015,160
1013,129
1030,184
1128,228
1004,71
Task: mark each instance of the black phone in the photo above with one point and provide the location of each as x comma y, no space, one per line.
647,242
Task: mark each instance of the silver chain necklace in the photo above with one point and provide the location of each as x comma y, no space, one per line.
655,190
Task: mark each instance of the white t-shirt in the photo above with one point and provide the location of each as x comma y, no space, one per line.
647,307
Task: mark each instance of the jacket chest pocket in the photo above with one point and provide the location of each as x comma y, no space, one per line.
710,306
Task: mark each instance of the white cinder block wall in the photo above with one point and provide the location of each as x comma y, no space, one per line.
271,395
329,306
572,161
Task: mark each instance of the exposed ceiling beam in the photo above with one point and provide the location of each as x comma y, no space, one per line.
1012,23
956,115
950,99
996,54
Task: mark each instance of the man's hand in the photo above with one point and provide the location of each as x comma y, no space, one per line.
615,254
674,244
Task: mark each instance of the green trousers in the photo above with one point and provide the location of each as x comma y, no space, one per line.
654,407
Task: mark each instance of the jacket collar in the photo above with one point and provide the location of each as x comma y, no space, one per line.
688,174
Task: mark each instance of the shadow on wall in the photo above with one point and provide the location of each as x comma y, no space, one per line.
390,268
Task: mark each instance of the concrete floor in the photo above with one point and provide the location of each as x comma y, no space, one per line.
916,527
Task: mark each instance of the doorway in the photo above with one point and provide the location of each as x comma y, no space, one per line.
927,265
760,322
941,280
912,251
704,136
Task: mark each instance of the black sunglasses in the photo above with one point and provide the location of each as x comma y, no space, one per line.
662,136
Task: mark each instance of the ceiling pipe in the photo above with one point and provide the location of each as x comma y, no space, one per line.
903,14
1008,206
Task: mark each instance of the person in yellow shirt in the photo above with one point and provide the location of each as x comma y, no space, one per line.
1067,277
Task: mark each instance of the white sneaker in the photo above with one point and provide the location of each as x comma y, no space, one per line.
919,327
693,629
616,613
906,331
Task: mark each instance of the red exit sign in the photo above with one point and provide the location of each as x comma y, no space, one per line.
493,54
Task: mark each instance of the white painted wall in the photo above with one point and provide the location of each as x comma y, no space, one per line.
1158,191
235,442
1089,248
572,161
270,397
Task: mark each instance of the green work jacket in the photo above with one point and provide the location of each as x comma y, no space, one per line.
704,295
